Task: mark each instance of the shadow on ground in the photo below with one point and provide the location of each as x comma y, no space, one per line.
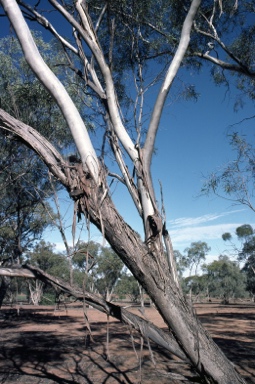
41,347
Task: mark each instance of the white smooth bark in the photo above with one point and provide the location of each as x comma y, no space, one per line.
54,86
89,37
170,76
226,65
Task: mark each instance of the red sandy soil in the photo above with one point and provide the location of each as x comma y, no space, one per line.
40,346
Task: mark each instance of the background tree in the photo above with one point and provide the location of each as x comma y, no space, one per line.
247,255
249,270
96,41
196,254
245,252
85,259
101,267
23,214
195,286
235,180
225,279
243,234
86,255
128,286
181,262
44,257
108,271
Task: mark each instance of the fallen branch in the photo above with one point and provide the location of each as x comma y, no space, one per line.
144,327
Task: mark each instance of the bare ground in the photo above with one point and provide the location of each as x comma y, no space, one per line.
43,346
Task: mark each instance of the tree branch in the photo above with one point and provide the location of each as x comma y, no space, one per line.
38,143
89,36
54,86
47,25
170,76
224,65
240,67
95,84
144,327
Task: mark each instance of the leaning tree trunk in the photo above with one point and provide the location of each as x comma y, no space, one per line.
148,263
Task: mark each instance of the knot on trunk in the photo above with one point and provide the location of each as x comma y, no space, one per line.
80,182
155,225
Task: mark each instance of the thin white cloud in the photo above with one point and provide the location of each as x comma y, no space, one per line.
186,230
191,221
186,235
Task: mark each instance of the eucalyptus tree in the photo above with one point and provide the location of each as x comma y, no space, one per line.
109,44
235,180
224,279
245,252
44,256
128,286
108,271
196,254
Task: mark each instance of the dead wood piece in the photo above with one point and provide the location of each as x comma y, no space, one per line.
146,329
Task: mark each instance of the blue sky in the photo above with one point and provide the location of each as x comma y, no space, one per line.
196,144
192,141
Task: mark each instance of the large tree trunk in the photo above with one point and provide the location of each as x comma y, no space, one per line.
148,264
